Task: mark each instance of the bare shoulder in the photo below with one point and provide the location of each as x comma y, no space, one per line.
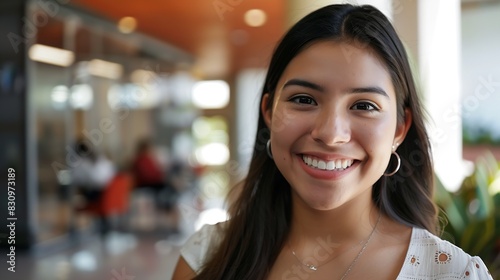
183,271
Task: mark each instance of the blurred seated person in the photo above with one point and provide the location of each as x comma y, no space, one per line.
92,173
147,171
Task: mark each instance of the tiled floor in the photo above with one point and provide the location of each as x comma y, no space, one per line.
118,256
147,251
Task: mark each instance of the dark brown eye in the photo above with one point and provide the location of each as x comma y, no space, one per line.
303,100
364,106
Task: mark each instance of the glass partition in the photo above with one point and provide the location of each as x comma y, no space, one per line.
93,84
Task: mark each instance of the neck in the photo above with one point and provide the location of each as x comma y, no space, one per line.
344,226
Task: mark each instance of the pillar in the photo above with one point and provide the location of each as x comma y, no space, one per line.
248,87
18,176
431,31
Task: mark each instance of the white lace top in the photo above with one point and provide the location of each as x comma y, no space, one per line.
428,256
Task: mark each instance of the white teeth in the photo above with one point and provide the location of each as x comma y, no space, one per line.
330,165
339,164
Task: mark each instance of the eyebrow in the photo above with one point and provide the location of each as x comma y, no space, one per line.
303,83
307,84
375,89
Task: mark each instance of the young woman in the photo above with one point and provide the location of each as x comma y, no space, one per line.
340,184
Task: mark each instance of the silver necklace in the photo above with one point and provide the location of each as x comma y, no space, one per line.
310,266
315,268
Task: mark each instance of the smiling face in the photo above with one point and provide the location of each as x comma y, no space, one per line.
333,123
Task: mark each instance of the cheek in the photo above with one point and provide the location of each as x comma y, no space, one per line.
286,130
282,120
377,137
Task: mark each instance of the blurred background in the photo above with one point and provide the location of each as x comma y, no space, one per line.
123,124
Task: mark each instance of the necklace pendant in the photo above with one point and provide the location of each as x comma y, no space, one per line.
312,267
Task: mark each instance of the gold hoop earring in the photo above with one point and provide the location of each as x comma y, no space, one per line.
268,148
397,167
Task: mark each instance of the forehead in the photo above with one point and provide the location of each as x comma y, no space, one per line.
338,65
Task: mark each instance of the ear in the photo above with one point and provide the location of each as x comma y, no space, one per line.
266,112
402,128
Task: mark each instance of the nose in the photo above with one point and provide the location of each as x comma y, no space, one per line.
331,128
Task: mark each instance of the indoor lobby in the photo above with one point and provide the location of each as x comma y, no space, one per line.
177,84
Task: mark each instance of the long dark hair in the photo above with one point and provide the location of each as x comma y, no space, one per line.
260,217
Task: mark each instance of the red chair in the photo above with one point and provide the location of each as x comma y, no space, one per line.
115,198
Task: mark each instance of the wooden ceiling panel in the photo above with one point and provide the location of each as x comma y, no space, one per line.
211,30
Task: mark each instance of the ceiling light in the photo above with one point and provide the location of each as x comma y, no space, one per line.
51,55
105,69
255,17
127,25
